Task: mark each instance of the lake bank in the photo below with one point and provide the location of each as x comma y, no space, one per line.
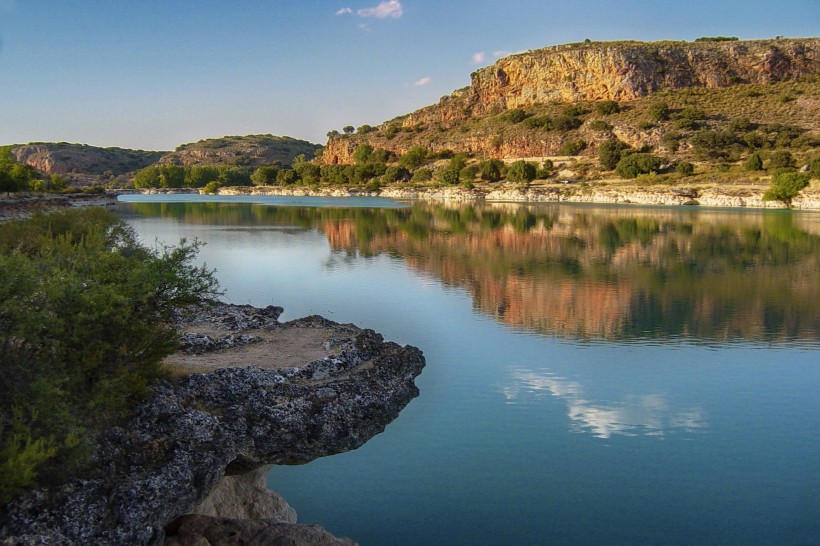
734,197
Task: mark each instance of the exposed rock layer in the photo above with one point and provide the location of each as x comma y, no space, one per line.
166,461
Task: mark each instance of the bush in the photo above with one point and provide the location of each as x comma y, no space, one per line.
491,170
659,111
600,125
85,314
785,186
573,147
395,173
781,159
754,163
521,171
634,164
814,168
516,115
685,168
609,153
212,187
607,107
414,158
362,153
422,175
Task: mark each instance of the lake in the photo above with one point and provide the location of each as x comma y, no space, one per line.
595,374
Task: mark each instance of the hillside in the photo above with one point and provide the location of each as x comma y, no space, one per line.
548,102
243,151
81,163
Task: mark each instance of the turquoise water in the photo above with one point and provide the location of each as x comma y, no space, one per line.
595,375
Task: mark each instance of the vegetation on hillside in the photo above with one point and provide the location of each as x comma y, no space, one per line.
85,314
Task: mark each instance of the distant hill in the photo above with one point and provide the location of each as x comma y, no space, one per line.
244,151
548,102
81,163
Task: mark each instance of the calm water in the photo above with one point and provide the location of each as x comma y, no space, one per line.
595,375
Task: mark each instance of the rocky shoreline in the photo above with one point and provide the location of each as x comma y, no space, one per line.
189,467
23,204
570,193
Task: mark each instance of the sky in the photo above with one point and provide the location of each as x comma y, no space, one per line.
154,74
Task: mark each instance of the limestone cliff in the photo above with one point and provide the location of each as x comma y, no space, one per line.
82,163
585,72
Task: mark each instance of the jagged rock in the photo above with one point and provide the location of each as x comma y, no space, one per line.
170,456
246,496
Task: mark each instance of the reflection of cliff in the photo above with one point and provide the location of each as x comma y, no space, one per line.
615,274
585,272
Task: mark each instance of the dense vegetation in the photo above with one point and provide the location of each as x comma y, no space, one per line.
85,316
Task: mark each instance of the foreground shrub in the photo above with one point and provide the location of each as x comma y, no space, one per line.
85,315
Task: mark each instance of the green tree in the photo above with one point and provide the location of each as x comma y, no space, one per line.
785,186
781,159
414,158
491,170
754,163
634,164
362,153
422,175
395,173
265,176
609,153
348,129
447,176
814,168
685,168
212,187
521,171
287,177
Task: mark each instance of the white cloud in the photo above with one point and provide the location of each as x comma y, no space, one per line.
390,8
501,53
424,81
363,27
344,11
478,57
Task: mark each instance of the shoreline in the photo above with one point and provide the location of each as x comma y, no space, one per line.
737,197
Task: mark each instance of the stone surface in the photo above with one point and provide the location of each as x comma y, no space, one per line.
169,458
197,530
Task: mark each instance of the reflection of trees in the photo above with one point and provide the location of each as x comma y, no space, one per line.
582,271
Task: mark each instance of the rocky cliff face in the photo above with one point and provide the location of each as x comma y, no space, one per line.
619,71
83,163
169,458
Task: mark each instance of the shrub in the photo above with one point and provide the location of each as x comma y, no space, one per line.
781,159
785,186
659,111
414,158
814,168
572,147
362,153
468,174
422,175
491,170
395,173
685,168
516,115
600,125
754,163
521,171
609,153
85,315
212,187
607,107
634,164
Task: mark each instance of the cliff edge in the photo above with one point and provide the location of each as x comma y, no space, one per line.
182,442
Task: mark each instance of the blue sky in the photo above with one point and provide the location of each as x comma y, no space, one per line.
154,74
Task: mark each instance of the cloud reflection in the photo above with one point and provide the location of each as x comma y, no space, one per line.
633,415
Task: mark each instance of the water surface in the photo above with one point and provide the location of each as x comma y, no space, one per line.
595,375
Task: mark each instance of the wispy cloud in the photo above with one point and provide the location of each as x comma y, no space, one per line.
478,57
501,53
390,8
343,11
424,81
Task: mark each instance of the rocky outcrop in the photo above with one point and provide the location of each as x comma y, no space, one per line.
584,72
244,151
168,459
82,163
